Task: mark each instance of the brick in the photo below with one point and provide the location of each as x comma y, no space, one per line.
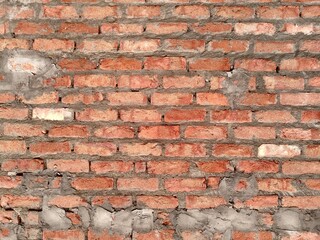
103,235
300,134
95,148
96,12
7,182
138,184
310,46
87,99
68,165
94,81
53,45
101,167
98,45
22,165
140,115
293,29
209,64
228,46
115,132
256,65
165,63
159,132
14,43
262,166
310,12
234,12
143,12
77,64
206,132
280,151
161,99
231,116
313,184
300,64
92,183
158,202
78,28
138,81
274,116
274,185
127,98
166,28
26,130
50,147
33,28
209,98
282,12
92,115
21,201
314,82
301,235
12,147
121,28
300,167
214,166
59,12
212,28
121,63
177,82
69,201
254,29
192,11
274,47
43,98
185,184
73,234
303,202
52,114
181,115
114,201
20,12
232,150
74,131
141,149
262,202
165,234
283,83
196,202
312,151
259,99
300,99
189,45
58,82
8,217
248,132
168,167
185,150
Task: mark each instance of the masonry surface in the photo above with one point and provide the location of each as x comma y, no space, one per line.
160,119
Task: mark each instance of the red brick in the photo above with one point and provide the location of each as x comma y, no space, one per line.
216,166
206,132
185,150
26,130
256,65
234,12
231,116
274,185
211,28
310,12
48,45
141,149
168,167
300,134
209,64
310,46
300,167
293,29
180,115
302,235
166,28
228,46
275,116
248,132
59,12
274,47
114,201
300,64
158,202
159,132
50,147
282,12
20,12
92,183
33,28
165,234
312,151
21,201
310,116
300,99
283,83
22,165
254,29
120,63
93,81
92,115
232,150
12,147
7,182
259,99
101,167
99,45
89,98
171,99
12,43
77,64
78,28
95,148
138,81
121,28
94,234
69,131
96,12
213,182
68,201
138,184
280,151
192,11
115,132
165,63
68,165
304,202
58,82
262,166
196,202
183,82
185,45
143,11
43,98
127,98
185,184
209,98
73,234
8,217
140,115
261,202
313,184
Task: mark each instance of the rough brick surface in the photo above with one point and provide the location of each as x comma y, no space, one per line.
159,119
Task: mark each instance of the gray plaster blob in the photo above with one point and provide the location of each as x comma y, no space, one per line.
288,219
55,218
102,219
122,222
143,220
85,216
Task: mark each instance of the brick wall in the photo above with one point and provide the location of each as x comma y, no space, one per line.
160,119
